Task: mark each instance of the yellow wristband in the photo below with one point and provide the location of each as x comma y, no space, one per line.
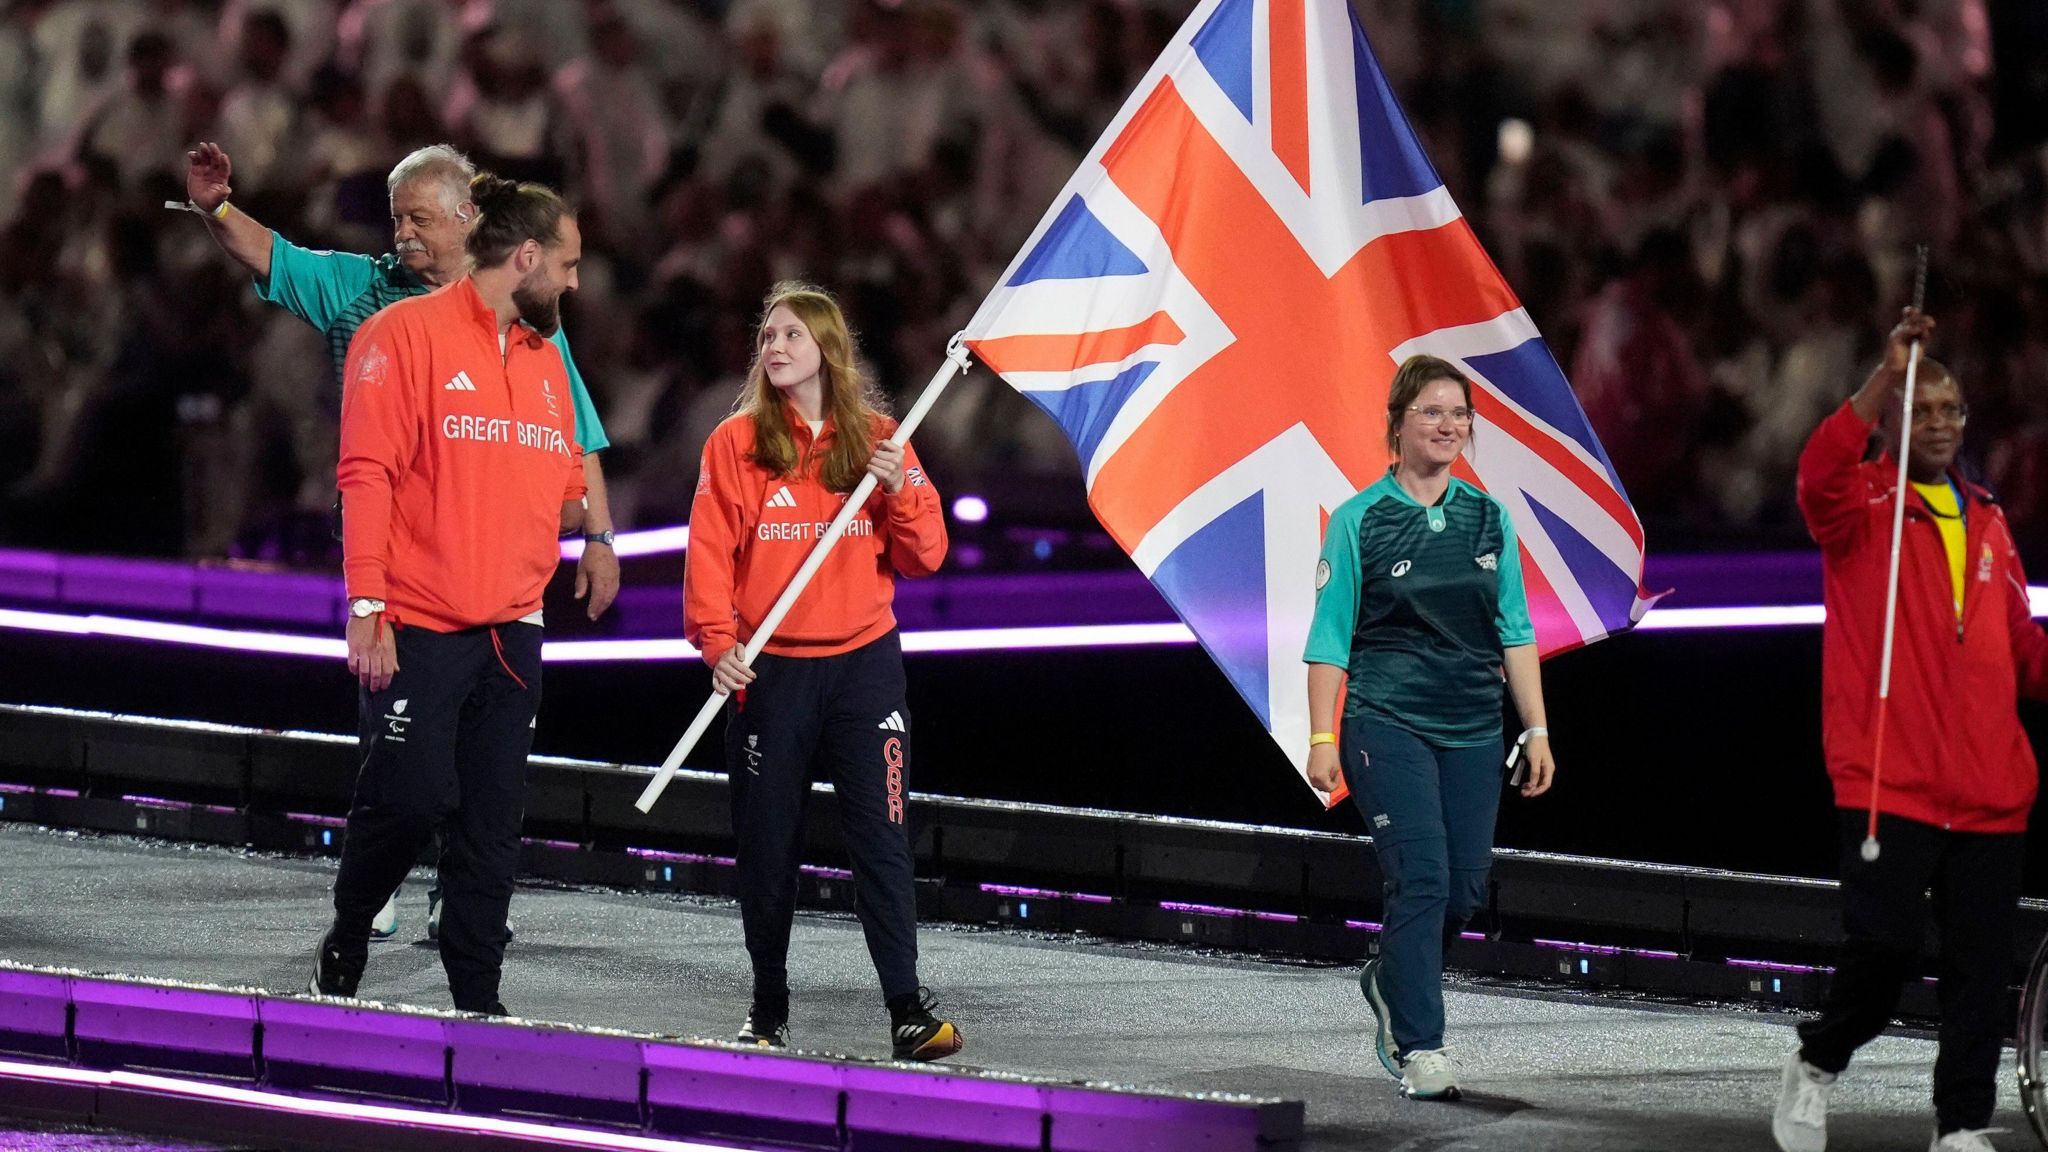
1322,738
221,213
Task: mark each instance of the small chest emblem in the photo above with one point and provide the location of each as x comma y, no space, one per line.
547,390
1984,566
1490,561
1322,574
1401,568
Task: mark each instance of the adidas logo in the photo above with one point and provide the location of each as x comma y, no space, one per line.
894,723
461,383
783,498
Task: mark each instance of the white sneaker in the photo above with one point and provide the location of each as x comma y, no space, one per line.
1429,1074
1965,1140
1800,1123
385,925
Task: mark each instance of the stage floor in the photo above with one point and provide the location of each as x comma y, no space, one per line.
1543,1070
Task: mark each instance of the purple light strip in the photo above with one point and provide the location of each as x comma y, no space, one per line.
676,857
178,805
311,818
351,1110
1365,925
1774,966
1025,893
828,873
1061,636
587,651
1201,909
1604,949
647,542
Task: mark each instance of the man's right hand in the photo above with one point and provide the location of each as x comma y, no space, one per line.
1884,390
731,673
207,169
372,651
1913,325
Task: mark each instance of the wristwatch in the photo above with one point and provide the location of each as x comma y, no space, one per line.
363,607
604,538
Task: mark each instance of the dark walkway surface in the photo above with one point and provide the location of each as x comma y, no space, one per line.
1542,1071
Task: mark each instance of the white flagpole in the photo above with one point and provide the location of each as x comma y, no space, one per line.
956,363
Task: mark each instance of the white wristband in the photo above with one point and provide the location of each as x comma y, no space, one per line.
1515,753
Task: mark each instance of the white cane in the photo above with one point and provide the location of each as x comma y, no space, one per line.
1891,594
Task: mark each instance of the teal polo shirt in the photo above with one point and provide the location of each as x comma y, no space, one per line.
1416,604
336,291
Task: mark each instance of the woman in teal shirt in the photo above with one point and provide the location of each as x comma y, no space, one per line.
1420,614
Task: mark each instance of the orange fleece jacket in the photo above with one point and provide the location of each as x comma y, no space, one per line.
456,459
750,530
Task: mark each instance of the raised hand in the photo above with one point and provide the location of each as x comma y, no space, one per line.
207,169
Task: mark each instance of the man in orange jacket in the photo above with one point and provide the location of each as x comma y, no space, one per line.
459,470
1959,776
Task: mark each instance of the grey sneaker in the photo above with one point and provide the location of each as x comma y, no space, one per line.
1800,1123
1383,1033
1429,1074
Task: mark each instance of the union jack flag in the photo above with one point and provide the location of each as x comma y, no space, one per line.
1213,310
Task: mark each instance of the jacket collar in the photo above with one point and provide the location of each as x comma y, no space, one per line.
801,428
486,317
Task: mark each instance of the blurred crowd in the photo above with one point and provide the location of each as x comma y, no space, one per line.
1708,206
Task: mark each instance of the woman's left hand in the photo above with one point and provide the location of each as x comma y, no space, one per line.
886,466
1536,755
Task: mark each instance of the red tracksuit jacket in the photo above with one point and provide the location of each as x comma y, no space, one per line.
456,459
1955,755
750,530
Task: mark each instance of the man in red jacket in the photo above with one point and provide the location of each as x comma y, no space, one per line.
459,468
1958,776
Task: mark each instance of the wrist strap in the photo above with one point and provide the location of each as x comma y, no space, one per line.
1515,753
219,213
1322,738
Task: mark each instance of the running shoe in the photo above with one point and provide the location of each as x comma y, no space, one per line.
916,1034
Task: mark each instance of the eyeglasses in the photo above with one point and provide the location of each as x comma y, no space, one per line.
1949,413
1436,415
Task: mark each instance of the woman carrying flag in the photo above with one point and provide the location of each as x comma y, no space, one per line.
828,690
1420,612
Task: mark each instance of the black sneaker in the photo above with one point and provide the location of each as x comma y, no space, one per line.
915,1033
335,972
765,1028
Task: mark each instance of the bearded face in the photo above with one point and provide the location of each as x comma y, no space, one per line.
539,300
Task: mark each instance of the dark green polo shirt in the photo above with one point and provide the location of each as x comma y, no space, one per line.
1416,604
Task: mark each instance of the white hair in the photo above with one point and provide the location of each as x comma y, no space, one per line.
441,163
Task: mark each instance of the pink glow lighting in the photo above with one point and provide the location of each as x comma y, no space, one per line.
357,1111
